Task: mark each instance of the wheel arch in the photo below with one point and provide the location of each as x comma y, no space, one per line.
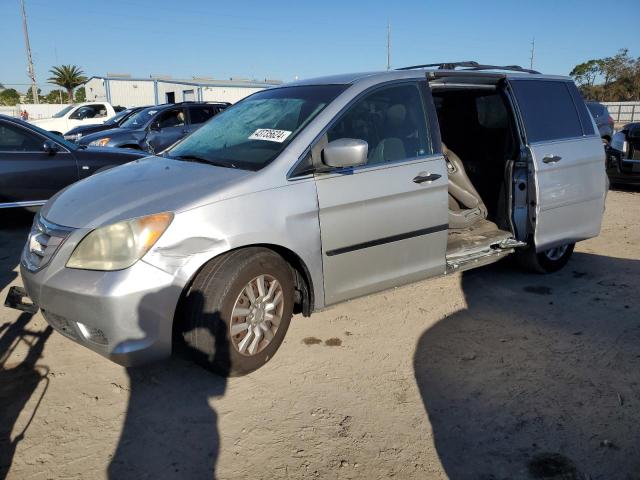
304,295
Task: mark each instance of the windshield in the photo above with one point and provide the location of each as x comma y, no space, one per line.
254,131
117,117
140,119
62,112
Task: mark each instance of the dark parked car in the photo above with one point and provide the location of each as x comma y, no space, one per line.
76,133
35,164
604,121
623,160
155,128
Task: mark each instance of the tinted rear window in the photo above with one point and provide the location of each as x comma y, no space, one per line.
548,110
202,113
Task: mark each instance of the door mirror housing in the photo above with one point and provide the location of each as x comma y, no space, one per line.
50,147
155,127
345,152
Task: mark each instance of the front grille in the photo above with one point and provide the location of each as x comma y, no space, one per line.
44,240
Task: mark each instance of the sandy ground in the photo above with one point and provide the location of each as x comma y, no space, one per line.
490,374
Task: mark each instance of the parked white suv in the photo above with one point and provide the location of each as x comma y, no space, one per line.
72,116
310,194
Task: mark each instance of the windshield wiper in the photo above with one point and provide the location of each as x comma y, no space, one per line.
197,159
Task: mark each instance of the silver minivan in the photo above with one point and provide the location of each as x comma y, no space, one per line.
312,193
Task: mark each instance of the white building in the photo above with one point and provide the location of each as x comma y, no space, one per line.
126,91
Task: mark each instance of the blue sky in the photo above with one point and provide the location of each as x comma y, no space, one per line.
282,40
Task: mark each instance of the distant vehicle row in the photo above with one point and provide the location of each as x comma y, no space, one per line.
623,162
155,128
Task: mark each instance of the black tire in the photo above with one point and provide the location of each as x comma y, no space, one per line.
204,318
542,262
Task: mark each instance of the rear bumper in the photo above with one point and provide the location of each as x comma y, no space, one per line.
126,315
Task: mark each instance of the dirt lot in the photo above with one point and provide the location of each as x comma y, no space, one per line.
492,374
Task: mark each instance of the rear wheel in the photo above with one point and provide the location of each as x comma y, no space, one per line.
237,311
547,261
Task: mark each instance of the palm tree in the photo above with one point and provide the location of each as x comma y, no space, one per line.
68,77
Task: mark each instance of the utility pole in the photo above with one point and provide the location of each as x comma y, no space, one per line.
32,73
533,51
388,44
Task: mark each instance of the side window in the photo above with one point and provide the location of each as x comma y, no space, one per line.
16,139
89,111
585,118
201,114
171,118
548,110
391,120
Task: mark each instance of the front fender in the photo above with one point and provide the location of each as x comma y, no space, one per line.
285,217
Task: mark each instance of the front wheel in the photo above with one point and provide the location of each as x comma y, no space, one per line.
237,311
547,261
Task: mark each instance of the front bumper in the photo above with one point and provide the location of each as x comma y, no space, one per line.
125,315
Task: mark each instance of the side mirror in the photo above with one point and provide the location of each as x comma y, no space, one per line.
155,127
345,152
50,147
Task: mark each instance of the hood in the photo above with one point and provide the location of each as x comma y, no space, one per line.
43,122
145,186
94,127
114,133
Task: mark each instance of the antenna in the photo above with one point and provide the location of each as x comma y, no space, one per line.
533,51
388,44
32,74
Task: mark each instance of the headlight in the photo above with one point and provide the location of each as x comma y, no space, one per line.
119,245
101,142
73,138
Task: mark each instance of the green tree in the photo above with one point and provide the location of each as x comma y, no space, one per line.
9,97
55,96
28,98
81,95
585,74
68,77
619,77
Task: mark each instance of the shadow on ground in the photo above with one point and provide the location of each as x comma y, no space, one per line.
170,430
540,376
14,228
19,382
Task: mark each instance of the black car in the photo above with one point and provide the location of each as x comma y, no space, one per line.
604,121
35,164
623,160
155,128
76,133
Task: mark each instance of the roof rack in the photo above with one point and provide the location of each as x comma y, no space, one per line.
470,65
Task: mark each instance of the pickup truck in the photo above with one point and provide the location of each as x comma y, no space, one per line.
71,116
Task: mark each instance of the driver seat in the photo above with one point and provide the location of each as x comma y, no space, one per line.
466,208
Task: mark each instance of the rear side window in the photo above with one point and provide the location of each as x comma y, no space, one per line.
548,110
16,139
585,118
202,113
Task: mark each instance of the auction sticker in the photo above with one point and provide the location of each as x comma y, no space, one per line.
270,135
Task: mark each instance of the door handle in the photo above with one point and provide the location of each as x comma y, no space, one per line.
426,177
551,158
